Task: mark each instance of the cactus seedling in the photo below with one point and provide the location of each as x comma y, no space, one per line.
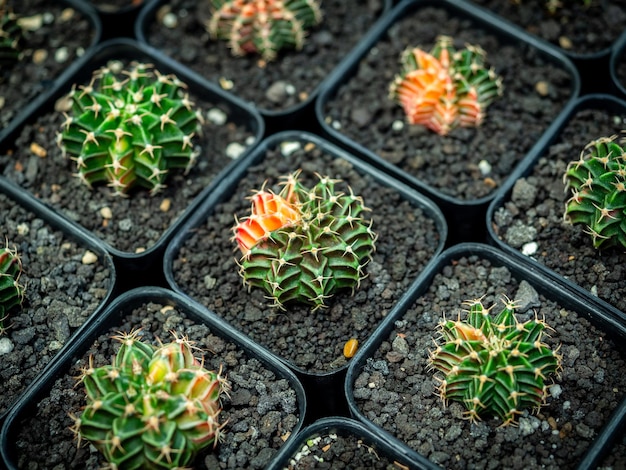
11,292
445,88
262,26
10,36
304,244
494,365
130,128
152,408
597,182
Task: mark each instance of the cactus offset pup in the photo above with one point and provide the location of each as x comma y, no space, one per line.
597,184
130,128
304,244
494,365
152,407
11,291
445,88
262,26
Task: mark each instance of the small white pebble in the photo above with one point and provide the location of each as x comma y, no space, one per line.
290,89
371,385
234,150
89,257
106,213
31,23
55,345
250,140
170,21
61,55
216,116
23,229
6,346
288,148
336,125
397,125
594,290
530,248
556,390
567,405
485,167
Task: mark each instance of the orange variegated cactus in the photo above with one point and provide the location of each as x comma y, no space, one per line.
445,88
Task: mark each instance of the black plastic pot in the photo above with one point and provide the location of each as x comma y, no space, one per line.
243,127
364,121
390,389
183,315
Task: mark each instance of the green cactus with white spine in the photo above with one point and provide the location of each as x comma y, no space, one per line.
152,408
597,183
494,365
11,291
262,26
303,245
11,35
130,128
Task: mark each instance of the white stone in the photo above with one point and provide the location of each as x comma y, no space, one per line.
556,390
485,167
530,248
6,346
234,150
216,116
288,148
397,125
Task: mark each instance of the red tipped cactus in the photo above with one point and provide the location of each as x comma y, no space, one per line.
445,88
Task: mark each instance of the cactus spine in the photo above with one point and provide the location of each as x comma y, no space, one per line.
304,244
11,292
445,88
262,26
597,182
10,36
130,128
152,408
495,366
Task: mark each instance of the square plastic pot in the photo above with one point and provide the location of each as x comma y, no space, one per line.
265,407
135,229
390,386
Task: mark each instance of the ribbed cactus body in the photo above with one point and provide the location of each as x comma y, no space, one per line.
597,183
11,292
304,244
494,365
10,36
130,128
262,26
152,408
445,88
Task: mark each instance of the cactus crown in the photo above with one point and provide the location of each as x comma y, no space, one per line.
130,127
10,36
262,26
495,366
445,88
11,291
597,182
152,407
304,244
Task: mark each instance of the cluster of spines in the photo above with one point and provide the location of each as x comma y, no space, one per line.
597,183
302,245
130,128
445,88
494,366
262,26
11,291
10,36
152,408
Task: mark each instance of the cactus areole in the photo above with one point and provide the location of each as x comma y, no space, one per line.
11,292
494,365
304,244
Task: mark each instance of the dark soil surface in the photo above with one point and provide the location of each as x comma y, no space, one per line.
577,28
133,224
535,91
534,213
397,391
64,35
276,86
62,291
261,410
205,266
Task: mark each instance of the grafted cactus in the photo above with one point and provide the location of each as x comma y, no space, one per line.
494,366
130,128
11,291
597,183
10,36
304,244
262,26
445,88
152,408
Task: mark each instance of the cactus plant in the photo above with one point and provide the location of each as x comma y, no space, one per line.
130,127
262,26
597,182
495,366
304,244
11,292
445,88
152,408
10,36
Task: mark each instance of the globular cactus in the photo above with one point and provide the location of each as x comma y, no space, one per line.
130,128
304,244
445,88
597,182
494,366
152,408
10,36
262,26
11,291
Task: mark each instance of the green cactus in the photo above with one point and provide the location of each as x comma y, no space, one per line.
152,408
262,26
304,244
597,182
130,127
494,366
10,36
11,292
